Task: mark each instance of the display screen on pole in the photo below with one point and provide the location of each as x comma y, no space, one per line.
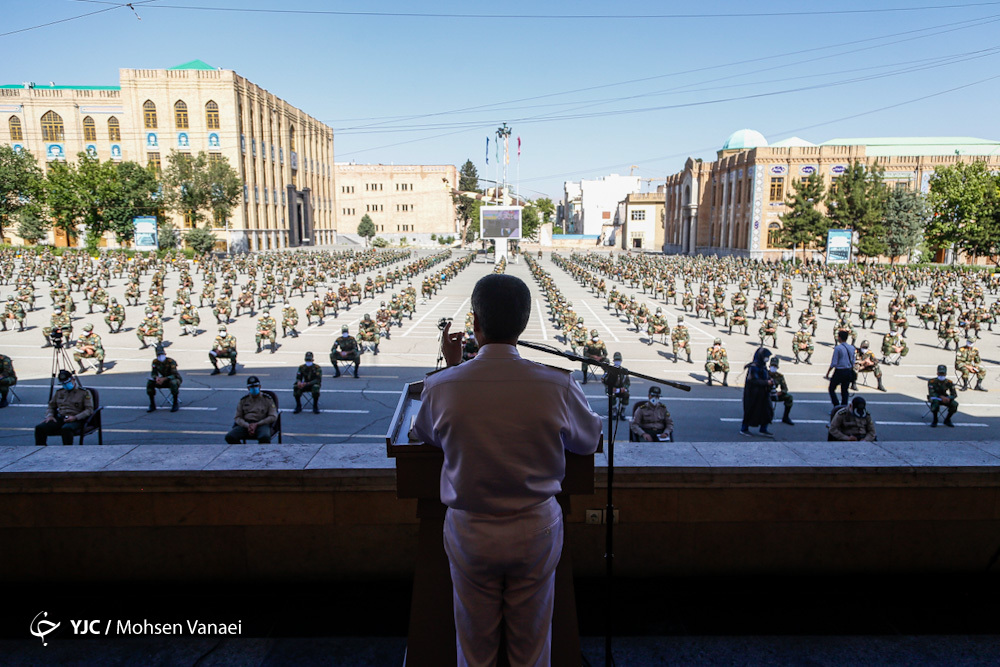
500,222
145,233
838,246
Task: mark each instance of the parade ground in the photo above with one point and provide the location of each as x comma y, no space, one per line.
358,410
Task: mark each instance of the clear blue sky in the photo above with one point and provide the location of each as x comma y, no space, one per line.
353,70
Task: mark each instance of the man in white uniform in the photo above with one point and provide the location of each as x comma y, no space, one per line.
503,423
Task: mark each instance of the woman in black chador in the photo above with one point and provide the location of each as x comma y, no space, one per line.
757,408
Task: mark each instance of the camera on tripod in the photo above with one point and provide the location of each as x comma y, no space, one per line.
56,338
443,322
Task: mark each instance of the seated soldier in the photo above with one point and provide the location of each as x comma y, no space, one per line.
717,361
345,348
368,332
470,346
941,391
309,378
8,378
67,412
852,423
594,349
867,362
619,387
89,346
892,344
651,419
163,374
255,413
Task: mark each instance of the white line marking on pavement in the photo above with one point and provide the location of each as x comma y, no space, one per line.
186,389
601,322
823,421
541,318
378,436
106,407
432,309
460,313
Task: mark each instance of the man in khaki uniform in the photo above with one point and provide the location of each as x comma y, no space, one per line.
89,346
255,413
68,410
651,419
853,423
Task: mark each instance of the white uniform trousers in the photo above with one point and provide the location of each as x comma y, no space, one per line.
503,571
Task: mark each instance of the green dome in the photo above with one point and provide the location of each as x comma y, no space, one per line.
744,140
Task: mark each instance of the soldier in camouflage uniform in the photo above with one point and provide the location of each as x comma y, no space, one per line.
13,312
151,327
769,329
717,360
680,339
948,333
89,346
345,348
8,378
315,309
941,391
222,311
844,324
115,317
898,322
157,303
968,363
719,312
594,349
26,295
892,344
267,330
868,312
739,319
308,378
867,362
59,320
224,347
658,326
781,391
578,337
164,374
98,297
368,332
807,318
190,319
289,320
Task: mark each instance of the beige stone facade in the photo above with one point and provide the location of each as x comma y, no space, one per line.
411,201
642,228
733,206
283,155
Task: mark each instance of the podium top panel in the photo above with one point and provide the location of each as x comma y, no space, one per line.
397,438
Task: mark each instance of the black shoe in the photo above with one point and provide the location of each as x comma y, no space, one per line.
298,408
152,406
232,370
315,407
216,371
355,374
337,374
176,406
787,420
934,421
4,402
947,421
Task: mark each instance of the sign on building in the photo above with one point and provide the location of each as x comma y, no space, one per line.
838,246
145,233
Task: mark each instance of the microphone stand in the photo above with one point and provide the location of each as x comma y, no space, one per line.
614,375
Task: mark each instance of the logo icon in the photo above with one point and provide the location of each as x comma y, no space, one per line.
42,627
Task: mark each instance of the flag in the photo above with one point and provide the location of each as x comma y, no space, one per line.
519,146
506,150
487,150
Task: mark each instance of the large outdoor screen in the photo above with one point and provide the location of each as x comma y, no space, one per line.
500,222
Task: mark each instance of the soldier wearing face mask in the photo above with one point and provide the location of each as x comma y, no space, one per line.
853,423
255,413
652,419
164,374
309,378
941,391
69,408
618,387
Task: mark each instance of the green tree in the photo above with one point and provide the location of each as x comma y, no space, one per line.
470,219
31,226
964,204
468,178
200,239
906,214
467,207
546,208
168,237
804,224
21,185
64,198
529,221
201,189
857,201
135,192
366,228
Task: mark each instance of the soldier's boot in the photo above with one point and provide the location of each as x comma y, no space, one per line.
785,419
215,364
90,309
796,357
854,386
232,367
965,384
947,420
315,404
725,379
100,366
295,334
83,368
730,329
3,401
152,403
336,370
689,358
675,357
284,332
979,385
710,378
934,420
375,351
298,405
880,387
258,347
21,328
274,346
176,404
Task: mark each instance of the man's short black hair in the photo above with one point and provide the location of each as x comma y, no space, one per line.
842,335
502,305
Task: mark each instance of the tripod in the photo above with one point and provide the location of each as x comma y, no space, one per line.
60,361
613,375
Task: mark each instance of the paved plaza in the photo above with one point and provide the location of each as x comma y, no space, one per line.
358,410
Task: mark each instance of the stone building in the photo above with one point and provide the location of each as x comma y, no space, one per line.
411,201
283,155
642,228
733,206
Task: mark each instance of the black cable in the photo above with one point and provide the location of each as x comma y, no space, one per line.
73,18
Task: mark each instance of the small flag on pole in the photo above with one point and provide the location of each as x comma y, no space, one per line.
487,150
519,146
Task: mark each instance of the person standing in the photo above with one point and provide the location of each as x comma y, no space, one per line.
757,409
503,467
842,367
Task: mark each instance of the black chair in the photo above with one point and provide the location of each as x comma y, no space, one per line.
276,426
632,437
93,422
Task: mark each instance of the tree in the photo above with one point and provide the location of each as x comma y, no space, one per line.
21,185
199,188
64,199
804,224
964,205
546,208
200,239
468,178
168,236
466,207
529,221
470,219
856,201
366,228
136,192
31,226
905,216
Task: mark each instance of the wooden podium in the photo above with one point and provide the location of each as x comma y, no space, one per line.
431,638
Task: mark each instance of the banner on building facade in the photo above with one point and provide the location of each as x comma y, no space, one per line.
500,222
145,235
838,246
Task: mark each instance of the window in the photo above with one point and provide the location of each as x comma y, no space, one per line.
89,129
212,115
778,188
291,137
639,215
739,193
52,127
15,129
149,114
213,158
180,115
773,235
153,162
606,215
188,219
114,129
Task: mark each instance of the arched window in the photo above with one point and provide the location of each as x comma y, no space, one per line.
773,235
149,114
291,137
180,115
114,130
52,127
89,129
16,134
212,115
